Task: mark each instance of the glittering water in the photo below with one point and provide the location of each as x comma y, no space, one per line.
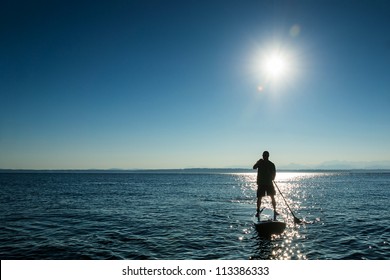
191,216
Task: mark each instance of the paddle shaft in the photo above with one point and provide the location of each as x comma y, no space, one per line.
286,202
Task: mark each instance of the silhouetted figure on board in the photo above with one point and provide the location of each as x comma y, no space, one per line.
266,173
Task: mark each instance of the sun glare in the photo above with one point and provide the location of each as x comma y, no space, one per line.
275,65
274,68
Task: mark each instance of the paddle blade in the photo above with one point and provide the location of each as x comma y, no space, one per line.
297,221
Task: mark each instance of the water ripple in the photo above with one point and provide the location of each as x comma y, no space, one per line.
190,216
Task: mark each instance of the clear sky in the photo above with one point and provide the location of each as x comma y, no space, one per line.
177,84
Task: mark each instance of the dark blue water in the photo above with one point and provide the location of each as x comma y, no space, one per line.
191,216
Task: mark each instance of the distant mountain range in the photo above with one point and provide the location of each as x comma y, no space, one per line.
338,164
328,165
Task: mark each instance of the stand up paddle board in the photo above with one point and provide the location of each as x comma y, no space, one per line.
266,225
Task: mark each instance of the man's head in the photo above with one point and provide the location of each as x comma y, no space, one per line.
265,155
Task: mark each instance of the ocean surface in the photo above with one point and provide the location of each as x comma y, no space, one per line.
179,215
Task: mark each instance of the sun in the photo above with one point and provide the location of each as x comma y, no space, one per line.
275,65
274,68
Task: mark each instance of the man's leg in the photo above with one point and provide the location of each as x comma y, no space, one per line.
274,206
258,206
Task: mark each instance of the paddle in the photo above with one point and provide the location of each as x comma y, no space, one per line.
296,220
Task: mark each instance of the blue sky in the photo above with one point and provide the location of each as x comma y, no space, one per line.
175,84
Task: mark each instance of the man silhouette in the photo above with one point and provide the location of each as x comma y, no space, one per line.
266,173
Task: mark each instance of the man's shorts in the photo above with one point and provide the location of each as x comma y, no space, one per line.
264,190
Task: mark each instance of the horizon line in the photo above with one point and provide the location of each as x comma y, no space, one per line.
189,169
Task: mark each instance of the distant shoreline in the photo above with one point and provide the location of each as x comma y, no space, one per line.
183,171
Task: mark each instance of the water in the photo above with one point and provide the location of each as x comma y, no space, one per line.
191,216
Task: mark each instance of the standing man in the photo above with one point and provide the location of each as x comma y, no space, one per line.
266,173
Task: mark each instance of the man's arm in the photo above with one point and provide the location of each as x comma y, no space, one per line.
273,172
